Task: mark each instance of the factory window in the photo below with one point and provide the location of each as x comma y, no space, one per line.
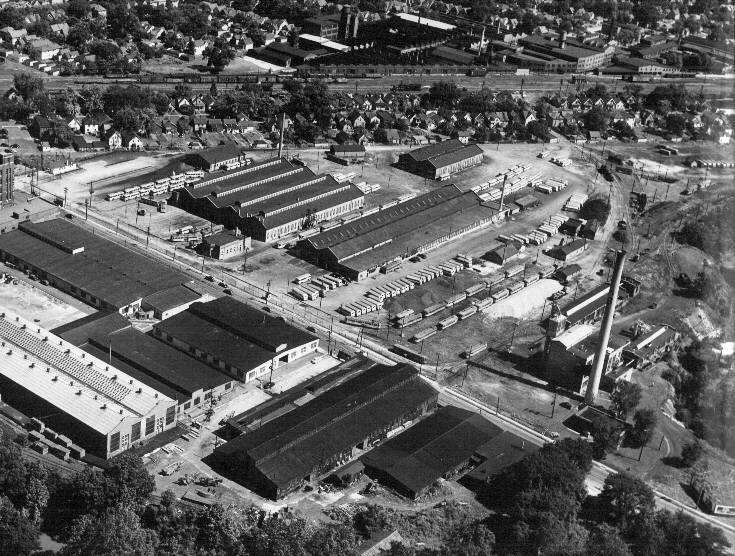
228,386
187,405
208,396
115,442
197,401
135,432
170,414
150,424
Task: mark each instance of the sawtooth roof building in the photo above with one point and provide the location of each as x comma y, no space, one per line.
441,160
270,199
437,447
88,267
159,365
325,432
232,337
93,403
360,247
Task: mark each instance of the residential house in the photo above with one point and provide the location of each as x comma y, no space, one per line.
129,140
43,49
114,140
96,123
11,36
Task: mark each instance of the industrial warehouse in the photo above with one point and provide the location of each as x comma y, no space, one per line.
161,366
95,407
243,342
362,246
441,445
270,199
88,267
441,160
326,431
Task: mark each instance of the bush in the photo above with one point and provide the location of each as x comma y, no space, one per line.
597,209
691,453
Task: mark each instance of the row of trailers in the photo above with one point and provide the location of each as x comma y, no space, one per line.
507,286
157,187
309,289
513,179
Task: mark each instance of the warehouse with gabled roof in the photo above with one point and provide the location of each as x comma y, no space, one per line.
441,160
326,431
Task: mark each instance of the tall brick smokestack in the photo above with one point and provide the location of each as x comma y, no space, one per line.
598,365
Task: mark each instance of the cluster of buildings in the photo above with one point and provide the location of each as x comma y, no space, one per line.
270,199
108,385
573,340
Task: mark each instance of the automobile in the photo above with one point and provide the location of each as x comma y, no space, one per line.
653,305
634,258
70,216
15,146
44,282
209,278
3,144
601,272
33,277
222,285
228,291
422,256
565,405
414,259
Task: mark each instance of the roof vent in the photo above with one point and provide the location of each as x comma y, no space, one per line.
155,395
71,383
55,379
131,381
114,377
83,355
79,392
139,391
95,396
32,365
104,406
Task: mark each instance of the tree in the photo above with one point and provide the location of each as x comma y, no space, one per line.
182,90
676,124
625,500
219,55
91,99
441,93
691,453
18,535
161,102
577,450
77,8
605,434
605,540
471,539
28,86
118,532
596,119
683,536
644,425
128,119
595,208
79,36
625,398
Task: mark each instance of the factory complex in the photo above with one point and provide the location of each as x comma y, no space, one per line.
268,200
440,160
362,246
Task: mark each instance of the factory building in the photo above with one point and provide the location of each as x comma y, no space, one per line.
440,160
361,247
112,338
270,199
225,245
587,308
218,157
439,446
562,54
570,356
325,431
325,26
89,401
97,271
648,348
230,336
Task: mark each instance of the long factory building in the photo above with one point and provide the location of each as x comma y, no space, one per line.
99,272
325,431
87,400
231,337
360,247
269,199
440,160
111,337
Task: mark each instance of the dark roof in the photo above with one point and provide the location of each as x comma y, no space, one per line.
162,362
213,340
526,201
443,153
569,270
111,273
218,154
586,304
171,298
221,239
78,332
347,148
271,333
570,247
294,445
499,452
439,444
453,55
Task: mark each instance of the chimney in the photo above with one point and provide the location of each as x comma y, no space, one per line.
502,194
280,137
598,365
563,39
